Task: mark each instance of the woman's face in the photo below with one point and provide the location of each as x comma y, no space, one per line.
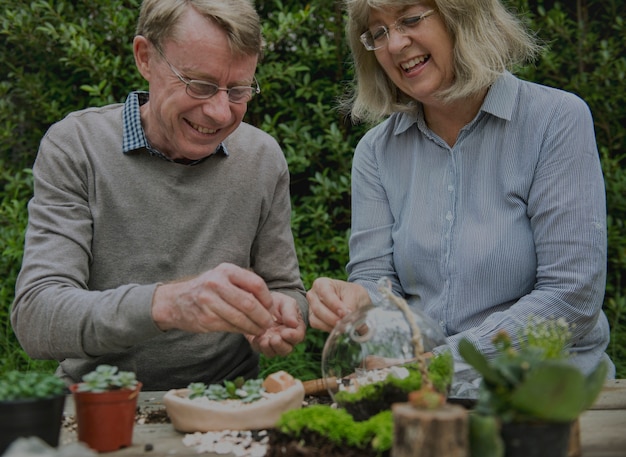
419,59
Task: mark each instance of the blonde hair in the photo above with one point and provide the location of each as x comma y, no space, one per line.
158,21
488,40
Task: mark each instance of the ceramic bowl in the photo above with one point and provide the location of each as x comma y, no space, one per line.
191,416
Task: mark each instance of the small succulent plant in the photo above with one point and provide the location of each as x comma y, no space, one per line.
18,385
106,378
534,381
238,389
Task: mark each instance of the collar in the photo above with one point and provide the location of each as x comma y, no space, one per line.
500,102
134,138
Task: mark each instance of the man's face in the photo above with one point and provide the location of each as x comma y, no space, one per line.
178,125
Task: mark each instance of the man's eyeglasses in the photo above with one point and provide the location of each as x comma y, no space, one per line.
379,36
204,89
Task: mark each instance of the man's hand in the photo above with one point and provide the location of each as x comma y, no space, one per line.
227,298
288,330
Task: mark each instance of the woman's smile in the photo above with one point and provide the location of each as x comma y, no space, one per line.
411,65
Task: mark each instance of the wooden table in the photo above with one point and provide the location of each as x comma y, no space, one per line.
602,429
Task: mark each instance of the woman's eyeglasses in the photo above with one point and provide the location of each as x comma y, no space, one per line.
378,37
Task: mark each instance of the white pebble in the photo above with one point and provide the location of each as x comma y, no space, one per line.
238,443
257,451
223,447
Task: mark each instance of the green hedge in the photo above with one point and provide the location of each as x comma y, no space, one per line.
59,56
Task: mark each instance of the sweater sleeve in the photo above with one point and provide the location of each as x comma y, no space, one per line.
55,315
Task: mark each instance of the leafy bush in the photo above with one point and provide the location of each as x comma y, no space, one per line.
59,56
301,75
16,188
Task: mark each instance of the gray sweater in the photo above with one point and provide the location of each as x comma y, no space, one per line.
106,227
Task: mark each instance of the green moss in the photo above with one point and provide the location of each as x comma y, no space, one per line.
377,390
440,371
381,427
339,427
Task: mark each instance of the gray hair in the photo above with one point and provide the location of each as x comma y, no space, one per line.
158,21
488,40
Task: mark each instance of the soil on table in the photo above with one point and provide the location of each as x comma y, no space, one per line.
152,416
281,445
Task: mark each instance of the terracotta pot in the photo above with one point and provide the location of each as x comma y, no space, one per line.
536,439
31,417
105,420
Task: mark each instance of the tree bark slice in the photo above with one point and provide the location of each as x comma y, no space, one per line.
430,433
574,440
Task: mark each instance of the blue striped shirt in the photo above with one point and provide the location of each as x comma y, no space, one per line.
508,224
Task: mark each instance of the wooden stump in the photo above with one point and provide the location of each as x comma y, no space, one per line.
430,433
574,440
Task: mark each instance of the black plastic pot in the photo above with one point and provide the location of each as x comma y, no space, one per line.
536,439
31,417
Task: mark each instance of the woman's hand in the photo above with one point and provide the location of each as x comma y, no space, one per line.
331,299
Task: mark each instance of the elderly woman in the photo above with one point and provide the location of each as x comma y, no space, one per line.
479,195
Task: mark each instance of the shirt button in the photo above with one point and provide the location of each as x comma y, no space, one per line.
449,216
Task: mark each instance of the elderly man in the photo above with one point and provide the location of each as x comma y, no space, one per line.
159,233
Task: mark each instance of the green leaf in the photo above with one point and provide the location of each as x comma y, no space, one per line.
594,383
484,435
479,362
554,390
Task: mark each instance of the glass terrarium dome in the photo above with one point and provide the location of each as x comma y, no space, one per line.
376,341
